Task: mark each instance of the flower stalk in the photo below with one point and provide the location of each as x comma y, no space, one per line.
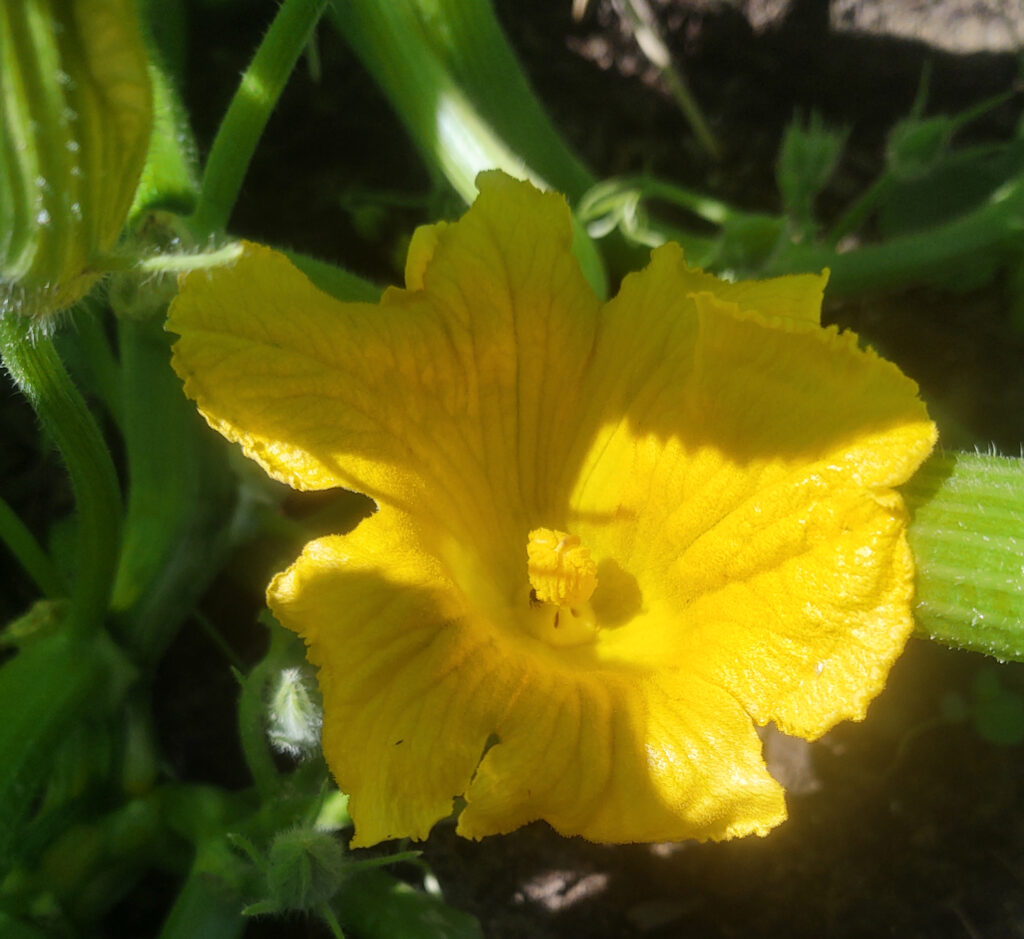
36,370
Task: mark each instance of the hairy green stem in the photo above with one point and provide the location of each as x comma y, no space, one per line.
967,534
250,110
38,373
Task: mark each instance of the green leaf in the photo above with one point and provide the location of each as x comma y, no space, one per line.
376,905
50,684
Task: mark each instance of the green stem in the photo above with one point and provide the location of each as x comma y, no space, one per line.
23,545
909,258
967,534
445,126
405,48
38,373
648,36
250,110
252,723
181,497
469,40
856,215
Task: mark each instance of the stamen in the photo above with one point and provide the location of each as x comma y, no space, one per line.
563,577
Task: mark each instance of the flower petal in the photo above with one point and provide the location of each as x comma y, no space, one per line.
739,487
695,368
422,246
624,757
408,694
808,605
414,686
456,397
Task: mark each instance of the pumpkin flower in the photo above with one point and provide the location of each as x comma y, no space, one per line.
612,539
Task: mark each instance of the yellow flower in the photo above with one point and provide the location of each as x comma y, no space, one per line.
611,538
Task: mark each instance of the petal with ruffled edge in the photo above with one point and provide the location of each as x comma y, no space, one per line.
457,395
410,690
620,755
415,685
739,488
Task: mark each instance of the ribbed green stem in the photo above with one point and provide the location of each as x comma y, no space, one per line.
967,534
470,42
250,110
23,545
405,51
445,127
38,373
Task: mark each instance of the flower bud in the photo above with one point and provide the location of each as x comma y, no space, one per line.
807,159
295,715
75,119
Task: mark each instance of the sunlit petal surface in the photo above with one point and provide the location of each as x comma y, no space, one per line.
611,539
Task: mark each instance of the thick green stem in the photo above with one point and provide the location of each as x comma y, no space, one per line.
38,373
180,497
408,50
250,110
469,41
450,133
967,534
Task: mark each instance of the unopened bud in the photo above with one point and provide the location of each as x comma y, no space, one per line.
295,715
75,120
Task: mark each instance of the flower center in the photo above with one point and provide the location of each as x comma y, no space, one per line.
563,577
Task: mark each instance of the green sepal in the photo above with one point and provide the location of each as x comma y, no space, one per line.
967,535
376,905
170,175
